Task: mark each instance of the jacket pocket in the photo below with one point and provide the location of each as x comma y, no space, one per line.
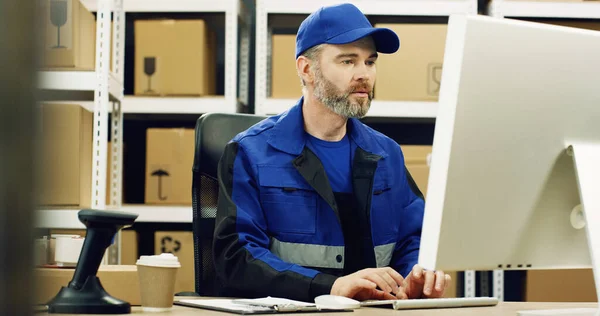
289,203
382,204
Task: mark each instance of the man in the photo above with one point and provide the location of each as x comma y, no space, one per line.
314,202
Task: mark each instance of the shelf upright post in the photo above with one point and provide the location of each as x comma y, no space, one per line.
116,152
101,99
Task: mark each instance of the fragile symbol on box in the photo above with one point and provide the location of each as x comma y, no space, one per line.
58,17
160,173
149,70
434,78
168,245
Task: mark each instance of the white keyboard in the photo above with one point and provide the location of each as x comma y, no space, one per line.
435,302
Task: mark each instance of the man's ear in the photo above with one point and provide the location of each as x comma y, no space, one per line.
303,69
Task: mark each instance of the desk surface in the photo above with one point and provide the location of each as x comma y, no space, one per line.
506,308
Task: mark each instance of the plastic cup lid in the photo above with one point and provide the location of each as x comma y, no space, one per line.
166,260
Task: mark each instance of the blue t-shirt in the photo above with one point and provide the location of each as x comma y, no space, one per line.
336,159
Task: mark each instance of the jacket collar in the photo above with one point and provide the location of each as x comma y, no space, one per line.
288,133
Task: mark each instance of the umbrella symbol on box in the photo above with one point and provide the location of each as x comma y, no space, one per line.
160,173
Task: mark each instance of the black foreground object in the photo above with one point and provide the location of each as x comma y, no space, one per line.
85,294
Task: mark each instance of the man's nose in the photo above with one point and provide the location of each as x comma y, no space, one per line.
362,72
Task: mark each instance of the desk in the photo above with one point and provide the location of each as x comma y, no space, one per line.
502,309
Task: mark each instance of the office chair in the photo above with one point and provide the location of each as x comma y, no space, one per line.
213,132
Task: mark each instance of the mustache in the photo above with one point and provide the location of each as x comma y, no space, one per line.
361,87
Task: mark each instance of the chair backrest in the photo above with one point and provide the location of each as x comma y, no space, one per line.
213,132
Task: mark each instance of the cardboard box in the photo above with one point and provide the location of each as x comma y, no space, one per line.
414,72
417,160
169,160
181,244
67,35
129,247
576,285
120,281
285,82
174,57
66,156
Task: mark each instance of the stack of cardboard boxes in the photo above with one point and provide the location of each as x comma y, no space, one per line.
169,159
66,42
168,63
172,58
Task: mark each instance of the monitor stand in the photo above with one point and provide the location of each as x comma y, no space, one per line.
587,170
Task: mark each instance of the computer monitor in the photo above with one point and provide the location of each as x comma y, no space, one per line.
515,166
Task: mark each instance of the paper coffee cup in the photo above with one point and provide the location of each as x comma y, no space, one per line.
157,276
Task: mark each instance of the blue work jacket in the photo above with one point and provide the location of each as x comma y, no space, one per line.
278,230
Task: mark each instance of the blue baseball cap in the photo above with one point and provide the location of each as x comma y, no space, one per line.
342,24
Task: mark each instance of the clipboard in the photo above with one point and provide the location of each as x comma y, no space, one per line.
267,305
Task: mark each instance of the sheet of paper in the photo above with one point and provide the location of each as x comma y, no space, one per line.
225,304
272,301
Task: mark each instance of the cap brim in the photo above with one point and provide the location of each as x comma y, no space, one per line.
386,41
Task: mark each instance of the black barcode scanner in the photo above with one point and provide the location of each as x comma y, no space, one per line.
85,294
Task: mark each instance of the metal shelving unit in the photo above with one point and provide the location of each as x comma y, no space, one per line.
265,105
236,91
104,88
541,9
76,85
92,85
97,89
67,219
199,105
101,87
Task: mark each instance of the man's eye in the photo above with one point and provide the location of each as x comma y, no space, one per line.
370,62
347,62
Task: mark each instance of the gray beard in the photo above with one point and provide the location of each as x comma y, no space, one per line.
328,94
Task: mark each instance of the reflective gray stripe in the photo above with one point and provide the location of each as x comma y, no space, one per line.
383,254
308,255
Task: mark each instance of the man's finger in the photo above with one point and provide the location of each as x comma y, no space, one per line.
448,279
390,281
440,280
356,286
381,295
402,295
363,284
417,271
429,280
388,296
395,275
381,283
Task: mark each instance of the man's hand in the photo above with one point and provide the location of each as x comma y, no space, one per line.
369,284
424,284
